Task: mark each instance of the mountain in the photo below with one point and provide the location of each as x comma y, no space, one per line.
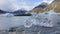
2,12
54,5
20,11
42,5
39,8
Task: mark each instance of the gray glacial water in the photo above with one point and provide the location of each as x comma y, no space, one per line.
7,22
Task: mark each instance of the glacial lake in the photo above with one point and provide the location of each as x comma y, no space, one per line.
7,22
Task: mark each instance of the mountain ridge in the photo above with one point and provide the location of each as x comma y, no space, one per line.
54,5
39,8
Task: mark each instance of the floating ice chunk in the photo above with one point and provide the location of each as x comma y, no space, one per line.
28,23
6,15
55,19
41,19
45,21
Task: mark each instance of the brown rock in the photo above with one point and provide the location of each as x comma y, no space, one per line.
55,4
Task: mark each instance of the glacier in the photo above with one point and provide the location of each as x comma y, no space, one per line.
43,23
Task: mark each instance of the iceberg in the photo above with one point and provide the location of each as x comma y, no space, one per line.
28,23
42,19
6,15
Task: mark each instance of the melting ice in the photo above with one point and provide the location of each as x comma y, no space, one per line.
42,19
6,15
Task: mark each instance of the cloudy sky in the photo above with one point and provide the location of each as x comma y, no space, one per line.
10,5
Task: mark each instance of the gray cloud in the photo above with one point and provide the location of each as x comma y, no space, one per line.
7,5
